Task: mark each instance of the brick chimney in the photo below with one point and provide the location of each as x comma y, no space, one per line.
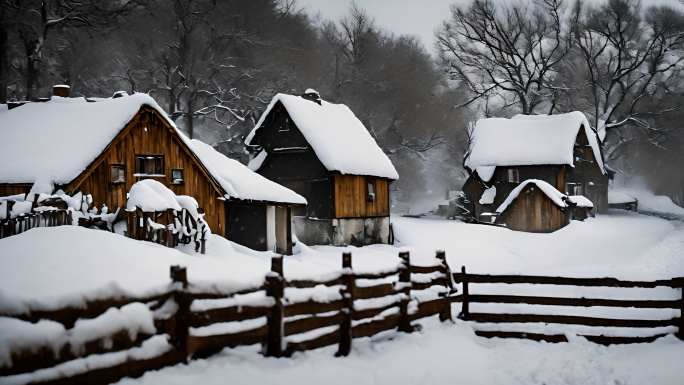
61,90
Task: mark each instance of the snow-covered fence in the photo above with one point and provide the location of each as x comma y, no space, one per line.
181,227
565,310
17,224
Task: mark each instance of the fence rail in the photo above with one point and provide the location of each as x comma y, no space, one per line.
502,318
203,323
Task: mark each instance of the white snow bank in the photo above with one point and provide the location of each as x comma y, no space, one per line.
486,172
338,137
150,195
220,328
618,197
66,134
17,335
557,197
529,140
50,268
239,181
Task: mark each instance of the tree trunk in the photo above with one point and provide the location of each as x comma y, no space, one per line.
4,62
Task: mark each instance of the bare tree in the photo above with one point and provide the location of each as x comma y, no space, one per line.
510,51
632,63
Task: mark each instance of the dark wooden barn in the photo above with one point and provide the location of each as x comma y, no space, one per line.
323,152
561,150
102,148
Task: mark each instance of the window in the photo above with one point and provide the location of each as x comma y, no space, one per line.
370,190
177,176
118,174
149,165
573,189
513,176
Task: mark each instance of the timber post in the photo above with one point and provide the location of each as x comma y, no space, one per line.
348,307
445,314
464,279
275,289
405,288
180,340
680,332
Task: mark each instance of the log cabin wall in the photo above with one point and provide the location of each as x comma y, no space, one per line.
534,212
8,189
547,173
351,193
149,133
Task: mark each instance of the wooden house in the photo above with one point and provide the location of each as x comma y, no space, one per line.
561,150
323,152
102,147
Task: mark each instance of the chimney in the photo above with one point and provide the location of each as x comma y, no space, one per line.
61,90
312,95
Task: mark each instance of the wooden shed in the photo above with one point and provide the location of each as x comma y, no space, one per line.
102,147
323,152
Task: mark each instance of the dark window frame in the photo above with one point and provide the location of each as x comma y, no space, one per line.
117,166
514,174
159,167
182,178
371,182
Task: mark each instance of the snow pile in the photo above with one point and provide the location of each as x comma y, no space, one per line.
17,335
580,201
150,195
488,196
528,140
557,197
617,197
338,137
67,133
239,181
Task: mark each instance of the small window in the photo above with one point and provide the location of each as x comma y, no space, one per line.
149,165
573,189
118,174
513,176
177,176
370,190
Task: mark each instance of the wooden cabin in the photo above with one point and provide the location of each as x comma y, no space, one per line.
102,147
561,150
323,152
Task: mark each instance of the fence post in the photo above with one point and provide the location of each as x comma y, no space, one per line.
680,332
346,335
445,314
464,279
276,290
405,287
180,340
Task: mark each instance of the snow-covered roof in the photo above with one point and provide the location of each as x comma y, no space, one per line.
617,197
240,182
580,201
338,137
557,197
58,139
529,140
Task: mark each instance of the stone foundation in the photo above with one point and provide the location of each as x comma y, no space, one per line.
340,232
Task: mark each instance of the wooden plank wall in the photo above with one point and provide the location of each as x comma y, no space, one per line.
350,197
533,211
148,133
14,189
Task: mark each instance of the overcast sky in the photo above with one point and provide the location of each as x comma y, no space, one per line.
417,17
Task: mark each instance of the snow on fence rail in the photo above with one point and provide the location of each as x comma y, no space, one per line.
563,317
284,316
26,221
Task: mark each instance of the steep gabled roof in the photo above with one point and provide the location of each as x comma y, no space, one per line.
529,140
56,141
238,181
337,136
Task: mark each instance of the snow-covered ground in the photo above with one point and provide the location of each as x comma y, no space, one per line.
47,268
440,354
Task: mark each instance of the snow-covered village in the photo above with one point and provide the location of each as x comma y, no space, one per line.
342,192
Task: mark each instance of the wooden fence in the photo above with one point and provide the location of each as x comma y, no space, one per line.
274,315
23,222
467,299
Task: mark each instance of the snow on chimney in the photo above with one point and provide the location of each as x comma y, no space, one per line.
313,95
61,90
